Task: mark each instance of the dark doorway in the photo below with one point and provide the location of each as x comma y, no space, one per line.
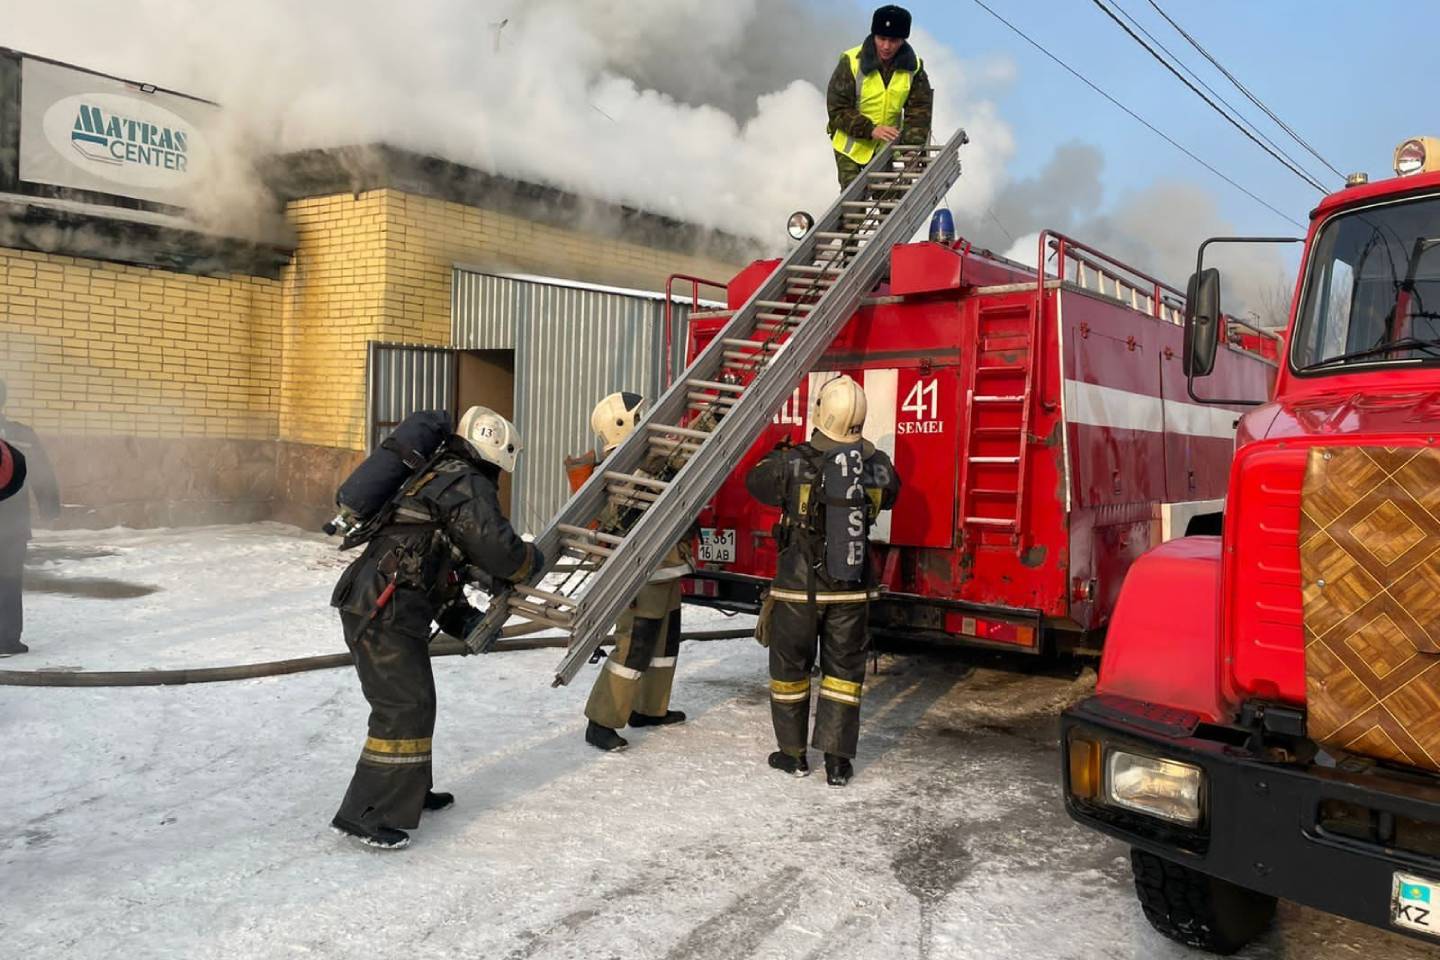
487,379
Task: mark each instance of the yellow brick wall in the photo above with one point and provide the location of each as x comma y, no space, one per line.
378,266
90,347
333,305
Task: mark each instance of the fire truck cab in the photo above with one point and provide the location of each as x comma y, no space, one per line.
1037,418
1267,718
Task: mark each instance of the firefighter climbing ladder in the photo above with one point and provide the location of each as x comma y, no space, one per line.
739,380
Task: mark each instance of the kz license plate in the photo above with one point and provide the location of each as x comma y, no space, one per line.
717,546
1413,903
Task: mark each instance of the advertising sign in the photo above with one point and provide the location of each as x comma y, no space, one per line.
92,132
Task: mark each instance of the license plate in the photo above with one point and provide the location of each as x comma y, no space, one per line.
717,546
1413,903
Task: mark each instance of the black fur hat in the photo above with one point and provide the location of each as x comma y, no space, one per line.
891,21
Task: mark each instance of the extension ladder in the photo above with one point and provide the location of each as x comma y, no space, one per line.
720,405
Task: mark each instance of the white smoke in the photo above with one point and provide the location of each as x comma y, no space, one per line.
709,112
1157,229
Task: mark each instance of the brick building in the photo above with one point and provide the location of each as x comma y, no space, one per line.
180,377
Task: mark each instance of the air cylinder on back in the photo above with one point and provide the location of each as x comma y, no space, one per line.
379,476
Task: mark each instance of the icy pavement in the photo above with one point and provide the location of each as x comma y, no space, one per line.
189,822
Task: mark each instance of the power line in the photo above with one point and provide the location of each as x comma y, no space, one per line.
1242,88
1135,116
1208,89
1199,93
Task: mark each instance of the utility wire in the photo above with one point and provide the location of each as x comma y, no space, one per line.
1208,89
1199,93
1135,116
1243,89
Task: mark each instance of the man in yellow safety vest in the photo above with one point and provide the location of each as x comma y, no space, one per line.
878,93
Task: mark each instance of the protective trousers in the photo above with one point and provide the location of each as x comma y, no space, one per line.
639,672
390,780
844,640
12,573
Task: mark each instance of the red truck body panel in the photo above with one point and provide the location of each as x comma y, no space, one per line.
1114,441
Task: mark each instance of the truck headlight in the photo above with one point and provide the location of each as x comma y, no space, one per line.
1160,788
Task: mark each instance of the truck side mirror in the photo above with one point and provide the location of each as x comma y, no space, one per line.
1202,322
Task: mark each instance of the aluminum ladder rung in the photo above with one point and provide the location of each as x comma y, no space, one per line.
716,385
545,595
559,618
872,204
807,268
779,318
990,521
753,344
711,399
999,399
785,305
636,478
782,326
837,235
587,532
682,431
671,446
1007,460
585,546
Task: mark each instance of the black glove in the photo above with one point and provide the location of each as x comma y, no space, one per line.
459,618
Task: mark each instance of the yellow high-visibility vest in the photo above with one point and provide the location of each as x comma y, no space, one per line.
883,104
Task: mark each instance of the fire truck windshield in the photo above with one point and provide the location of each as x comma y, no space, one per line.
1373,289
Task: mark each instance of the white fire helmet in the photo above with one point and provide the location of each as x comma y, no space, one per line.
840,410
491,436
615,417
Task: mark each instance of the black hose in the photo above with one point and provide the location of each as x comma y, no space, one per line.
514,638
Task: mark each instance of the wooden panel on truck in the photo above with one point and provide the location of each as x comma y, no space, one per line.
1370,563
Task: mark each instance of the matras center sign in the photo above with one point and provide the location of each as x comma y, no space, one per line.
91,132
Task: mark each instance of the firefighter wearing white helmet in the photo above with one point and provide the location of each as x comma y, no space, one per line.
830,490
633,688
445,528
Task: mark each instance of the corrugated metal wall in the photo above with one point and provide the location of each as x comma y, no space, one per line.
573,345
402,378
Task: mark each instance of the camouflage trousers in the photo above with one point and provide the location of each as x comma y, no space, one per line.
847,168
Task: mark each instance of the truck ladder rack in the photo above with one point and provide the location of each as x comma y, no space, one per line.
722,403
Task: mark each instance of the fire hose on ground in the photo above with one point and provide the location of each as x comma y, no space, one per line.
518,637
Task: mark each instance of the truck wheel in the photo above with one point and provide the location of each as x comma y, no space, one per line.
1197,910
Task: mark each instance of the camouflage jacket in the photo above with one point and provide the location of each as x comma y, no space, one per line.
845,112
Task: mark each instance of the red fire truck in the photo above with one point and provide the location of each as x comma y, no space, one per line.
1267,719
1039,422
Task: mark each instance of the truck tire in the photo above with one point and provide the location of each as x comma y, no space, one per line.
1198,910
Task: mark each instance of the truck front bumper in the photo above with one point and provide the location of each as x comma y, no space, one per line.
1328,837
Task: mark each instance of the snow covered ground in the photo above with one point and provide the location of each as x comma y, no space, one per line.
190,822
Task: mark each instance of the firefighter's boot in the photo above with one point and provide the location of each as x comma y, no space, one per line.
604,737
790,763
438,801
644,720
838,770
382,838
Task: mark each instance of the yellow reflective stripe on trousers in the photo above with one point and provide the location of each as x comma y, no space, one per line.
789,691
822,596
843,691
378,750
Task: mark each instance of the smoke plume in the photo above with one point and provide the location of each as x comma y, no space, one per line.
1156,229
709,112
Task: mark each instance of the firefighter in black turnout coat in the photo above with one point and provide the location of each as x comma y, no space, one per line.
447,529
830,490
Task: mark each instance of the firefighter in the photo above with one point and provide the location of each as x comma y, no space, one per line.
829,490
879,93
38,479
447,529
634,685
